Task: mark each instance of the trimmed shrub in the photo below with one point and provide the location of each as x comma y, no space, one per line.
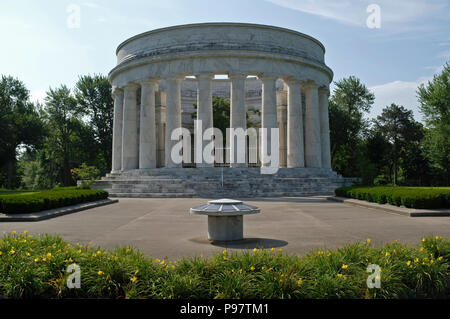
55,198
411,197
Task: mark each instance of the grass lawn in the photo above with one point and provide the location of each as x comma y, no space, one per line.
37,266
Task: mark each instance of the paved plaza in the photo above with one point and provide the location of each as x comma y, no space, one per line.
164,228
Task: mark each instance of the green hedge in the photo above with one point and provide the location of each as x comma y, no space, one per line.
59,197
411,197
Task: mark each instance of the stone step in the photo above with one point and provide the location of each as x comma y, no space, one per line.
152,195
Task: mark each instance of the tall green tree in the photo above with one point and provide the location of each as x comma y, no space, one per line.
62,118
398,126
93,95
20,124
434,98
348,103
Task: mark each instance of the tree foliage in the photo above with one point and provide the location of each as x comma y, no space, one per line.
434,98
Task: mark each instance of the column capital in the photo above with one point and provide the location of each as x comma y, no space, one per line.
267,77
324,90
292,81
237,76
131,86
116,91
175,78
150,81
310,85
204,76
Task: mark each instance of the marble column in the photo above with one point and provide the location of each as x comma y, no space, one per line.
130,150
160,127
295,149
282,125
173,117
204,113
324,127
117,130
147,136
269,116
238,146
313,148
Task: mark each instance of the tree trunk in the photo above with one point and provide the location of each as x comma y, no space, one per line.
11,173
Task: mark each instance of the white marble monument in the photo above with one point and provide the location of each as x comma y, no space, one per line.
278,76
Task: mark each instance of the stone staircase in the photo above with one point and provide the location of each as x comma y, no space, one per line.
221,182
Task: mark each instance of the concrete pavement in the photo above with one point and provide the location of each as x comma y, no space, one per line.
164,228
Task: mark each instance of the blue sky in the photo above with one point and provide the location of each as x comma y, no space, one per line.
412,43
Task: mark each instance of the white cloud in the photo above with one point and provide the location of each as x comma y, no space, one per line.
353,12
398,92
38,96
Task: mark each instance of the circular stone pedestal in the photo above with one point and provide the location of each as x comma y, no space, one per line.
223,228
225,218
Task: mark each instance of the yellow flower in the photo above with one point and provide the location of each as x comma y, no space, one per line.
232,270
25,232
99,252
173,267
136,272
240,271
255,250
300,281
273,249
408,262
320,252
440,258
14,232
157,260
423,240
263,268
1,253
36,260
368,240
421,249
270,269
12,252
100,273
280,250
416,260
44,259
252,268
225,258
339,275
28,254
388,254
133,279
49,255
224,252
344,266
116,258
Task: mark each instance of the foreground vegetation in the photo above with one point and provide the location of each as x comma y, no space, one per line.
35,267
28,202
411,197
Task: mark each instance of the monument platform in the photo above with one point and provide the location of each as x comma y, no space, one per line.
222,182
